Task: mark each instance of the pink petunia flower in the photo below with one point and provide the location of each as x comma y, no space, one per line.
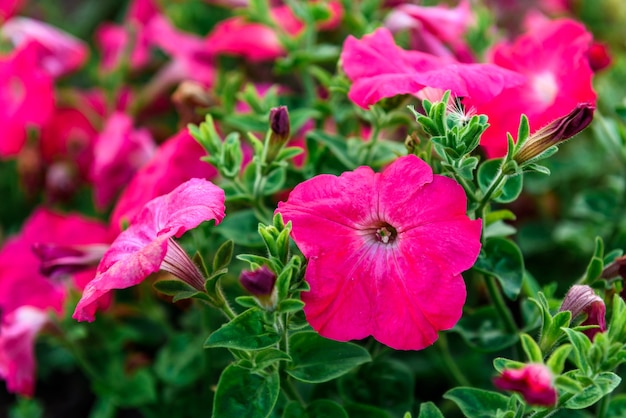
385,252
379,68
534,382
119,152
438,30
26,97
147,245
59,52
174,162
27,297
8,8
553,58
18,332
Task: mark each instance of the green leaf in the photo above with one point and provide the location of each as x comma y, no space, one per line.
223,255
358,410
290,305
181,361
429,410
556,361
128,391
581,345
500,363
477,403
531,348
321,408
603,384
241,227
482,330
317,359
243,394
269,356
337,144
247,331
502,258
487,174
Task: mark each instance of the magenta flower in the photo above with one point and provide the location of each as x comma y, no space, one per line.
534,382
59,52
175,161
582,300
26,97
18,332
379,68
385,252
438,30
27,297
147,245
119,152
553,57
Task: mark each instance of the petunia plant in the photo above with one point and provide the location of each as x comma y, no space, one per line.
312,209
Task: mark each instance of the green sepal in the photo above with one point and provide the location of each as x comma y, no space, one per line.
531,348
556,361
596,264
501,363
523,132
223,255
581,345
290,306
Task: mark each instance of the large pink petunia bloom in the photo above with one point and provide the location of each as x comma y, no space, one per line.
379,69
59,52
553,57
385,252
119,151
175,161
147,245
438,30
18,332
26,97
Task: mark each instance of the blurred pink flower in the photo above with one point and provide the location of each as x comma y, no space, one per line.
553,58
379,68
385,252
258,42
174,162
438,30
8,8
59,52
26,97
534,382
27,297
18,332
147,245
119,152
127,43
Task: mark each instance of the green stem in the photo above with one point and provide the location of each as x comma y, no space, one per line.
290,391
498,302
469,190
448,361
493,187
371,144
603,406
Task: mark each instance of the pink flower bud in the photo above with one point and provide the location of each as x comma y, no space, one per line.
279,125
556,132
534,382
581,299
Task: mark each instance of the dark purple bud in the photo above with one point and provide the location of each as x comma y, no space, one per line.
260,283
58,261
556,132
581,300
279,131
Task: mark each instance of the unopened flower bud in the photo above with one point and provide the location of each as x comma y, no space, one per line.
279,135
62,181
59,261
581,299
598,56
556,132
260,283
534,382
188,98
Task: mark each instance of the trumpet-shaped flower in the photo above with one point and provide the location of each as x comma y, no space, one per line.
385,252
147,245
553,57
379,68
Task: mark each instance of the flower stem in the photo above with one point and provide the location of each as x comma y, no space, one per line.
493,187
448,361
500,305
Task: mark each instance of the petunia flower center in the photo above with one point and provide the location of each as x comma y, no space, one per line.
386,234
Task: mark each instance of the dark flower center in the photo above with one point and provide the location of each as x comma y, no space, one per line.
386,233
